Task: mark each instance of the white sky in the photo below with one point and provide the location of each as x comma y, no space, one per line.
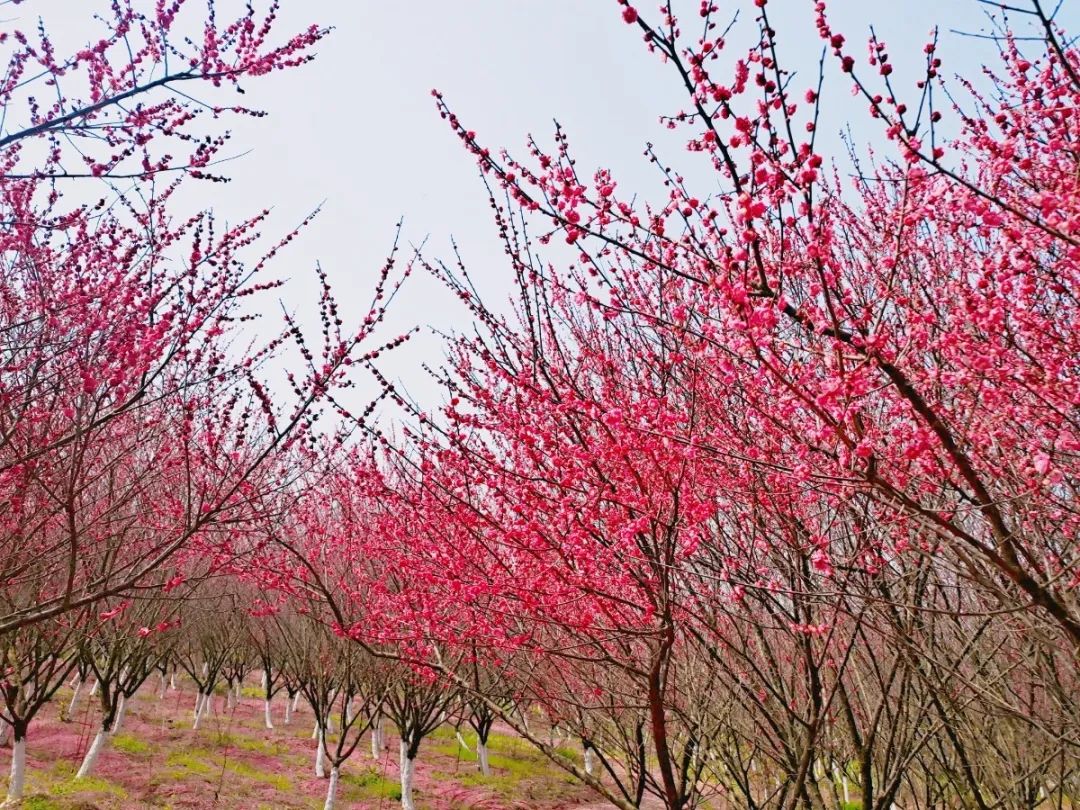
358,129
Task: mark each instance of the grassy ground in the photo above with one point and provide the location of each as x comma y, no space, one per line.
232,761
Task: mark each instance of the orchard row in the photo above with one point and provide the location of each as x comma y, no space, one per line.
764,489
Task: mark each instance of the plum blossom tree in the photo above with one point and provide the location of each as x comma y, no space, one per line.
860,334
36,663
130,422
124,652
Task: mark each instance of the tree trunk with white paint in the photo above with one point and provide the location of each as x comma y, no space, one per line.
288,711
267,716
18,770
172,681
201,709
75,698
320,757
331,789
92,754
95,687
121,707
841,777
295,701
590,760
408,768
377,737
482,756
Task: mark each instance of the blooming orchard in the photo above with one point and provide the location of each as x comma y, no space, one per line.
750,418
763,491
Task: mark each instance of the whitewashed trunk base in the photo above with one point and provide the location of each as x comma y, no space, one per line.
408,768
320,758
482,756
331,789
202,708
75,697
18,771
590,761
92,754
844,786
377,739
120,709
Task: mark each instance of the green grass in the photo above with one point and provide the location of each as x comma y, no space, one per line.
470,778
274,780
39,803
269,747
63,769
512,759
130,745
370,784
207,763
518,769
513,779
88,784
443,740
224,739
192,761
572,754
49,790
450,749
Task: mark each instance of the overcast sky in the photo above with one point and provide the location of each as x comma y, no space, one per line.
358,129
